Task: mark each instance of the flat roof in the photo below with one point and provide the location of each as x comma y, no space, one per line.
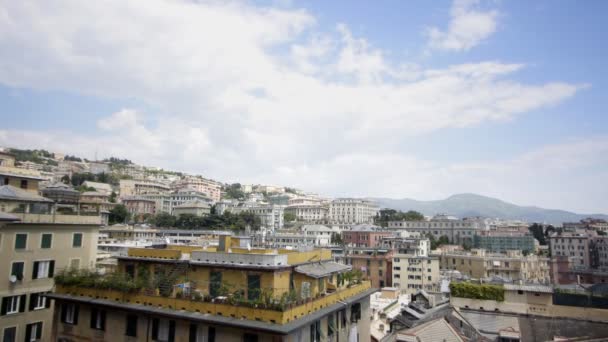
283,329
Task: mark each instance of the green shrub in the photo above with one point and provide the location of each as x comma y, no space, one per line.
478,291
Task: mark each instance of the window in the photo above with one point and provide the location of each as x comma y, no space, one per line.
20,241
39,301
253,286
77,240
17,269
315,332
43,269
131,326
46,240
247,337
69,313
98,319
10,334
355,312
380,273
33,332
342,317
331,324
163,330
23,184
215,282
12,305
397,275
211,334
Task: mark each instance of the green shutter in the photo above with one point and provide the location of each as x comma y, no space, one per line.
46,241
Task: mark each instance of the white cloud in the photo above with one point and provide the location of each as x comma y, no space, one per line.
468,27
239,92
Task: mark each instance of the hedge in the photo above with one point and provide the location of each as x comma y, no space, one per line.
477,291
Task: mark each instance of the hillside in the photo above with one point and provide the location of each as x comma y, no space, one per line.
463,205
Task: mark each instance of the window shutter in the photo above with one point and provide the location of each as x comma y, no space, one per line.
33,300
35,270
75,314
28,332
193,332
155,329
103,319
51,268
171,331
47,302
4,306
22,301
64,310
94,314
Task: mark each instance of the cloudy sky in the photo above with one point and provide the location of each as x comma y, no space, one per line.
419,99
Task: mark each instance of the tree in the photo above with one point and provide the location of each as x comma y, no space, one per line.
112,197
386,215
234,191
65,179
289,217
119,214
336,239
443,240
537,231
164,220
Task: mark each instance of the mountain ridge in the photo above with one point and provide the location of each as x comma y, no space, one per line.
469,204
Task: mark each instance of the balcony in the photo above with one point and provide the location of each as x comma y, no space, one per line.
58,218
277,313
173,254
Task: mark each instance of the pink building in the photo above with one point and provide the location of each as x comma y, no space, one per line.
365,236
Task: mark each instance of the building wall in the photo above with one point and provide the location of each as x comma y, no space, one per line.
115,327
352,211
412,273
369,239
575,246
61,252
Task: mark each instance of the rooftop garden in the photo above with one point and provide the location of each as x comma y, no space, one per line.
477,291
164,285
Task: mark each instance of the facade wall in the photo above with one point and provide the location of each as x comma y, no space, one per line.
116,326
575,246
412,273
352,211
61,252
369,239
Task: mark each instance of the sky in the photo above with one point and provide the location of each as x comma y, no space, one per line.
400,99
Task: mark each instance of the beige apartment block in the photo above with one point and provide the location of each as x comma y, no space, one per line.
412,273
513,265
30,254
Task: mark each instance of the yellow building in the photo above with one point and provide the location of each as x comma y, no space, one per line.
228,293
511,266
30,254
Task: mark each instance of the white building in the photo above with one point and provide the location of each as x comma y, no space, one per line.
271,215
308,213
206,186
412,273
459,231
131,187
351,211
166,202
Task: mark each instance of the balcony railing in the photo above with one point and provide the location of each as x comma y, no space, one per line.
274,314
58,218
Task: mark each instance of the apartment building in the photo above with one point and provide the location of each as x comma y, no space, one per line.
412,273
209,188
196,208
511,266
233,293
166,202
32,250
408,245
500,241
352,211
574,244
19,178
308,212
374,263
132,187
365,236
271,215
139,206
458,231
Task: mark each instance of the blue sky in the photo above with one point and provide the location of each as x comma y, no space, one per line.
412,99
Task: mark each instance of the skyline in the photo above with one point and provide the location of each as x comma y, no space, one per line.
403,100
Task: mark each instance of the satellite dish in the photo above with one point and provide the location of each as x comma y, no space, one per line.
12,278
